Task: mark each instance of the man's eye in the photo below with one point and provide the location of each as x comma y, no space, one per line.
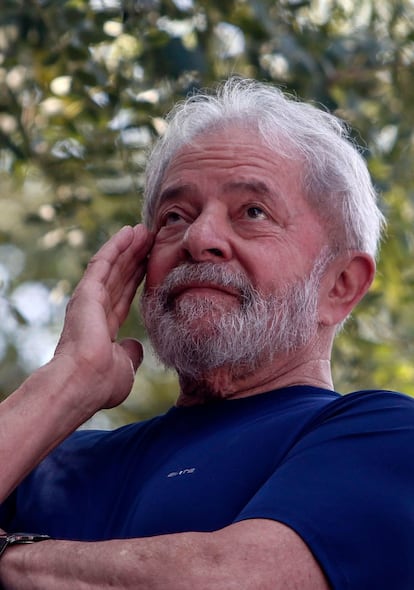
254,212
171,217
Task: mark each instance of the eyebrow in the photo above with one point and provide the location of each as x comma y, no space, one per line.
260,188
253,185
173,192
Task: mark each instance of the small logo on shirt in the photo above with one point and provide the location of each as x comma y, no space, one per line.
188,471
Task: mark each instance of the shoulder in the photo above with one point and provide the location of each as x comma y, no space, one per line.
361,425
374,405
378,397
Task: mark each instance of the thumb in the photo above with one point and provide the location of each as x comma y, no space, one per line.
134,350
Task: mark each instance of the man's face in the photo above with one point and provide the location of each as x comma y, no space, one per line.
235,246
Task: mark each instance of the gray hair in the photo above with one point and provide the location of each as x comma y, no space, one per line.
335,179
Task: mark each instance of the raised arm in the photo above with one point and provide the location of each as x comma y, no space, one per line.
90,369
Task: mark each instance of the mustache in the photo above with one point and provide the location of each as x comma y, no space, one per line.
210,273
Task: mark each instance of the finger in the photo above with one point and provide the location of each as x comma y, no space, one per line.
126,246
122,303
118,267
134,350
128,272
131,262
101,263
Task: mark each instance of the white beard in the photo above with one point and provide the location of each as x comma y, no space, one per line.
196,336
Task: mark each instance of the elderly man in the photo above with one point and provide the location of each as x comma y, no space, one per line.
261,227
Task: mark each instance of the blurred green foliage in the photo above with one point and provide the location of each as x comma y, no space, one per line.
83,87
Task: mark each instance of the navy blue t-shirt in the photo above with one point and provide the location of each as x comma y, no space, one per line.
339,470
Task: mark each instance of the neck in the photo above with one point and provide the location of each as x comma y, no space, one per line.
301,369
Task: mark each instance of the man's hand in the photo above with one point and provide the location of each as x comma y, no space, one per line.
95,313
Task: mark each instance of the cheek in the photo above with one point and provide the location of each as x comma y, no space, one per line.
154,272
160,262
269,270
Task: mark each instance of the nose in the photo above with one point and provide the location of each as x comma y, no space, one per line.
207,239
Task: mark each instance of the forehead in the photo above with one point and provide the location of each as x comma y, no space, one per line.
229,156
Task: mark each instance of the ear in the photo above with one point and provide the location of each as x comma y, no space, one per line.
343,286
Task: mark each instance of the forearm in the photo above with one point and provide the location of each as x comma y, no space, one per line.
154,563
244,556
36,417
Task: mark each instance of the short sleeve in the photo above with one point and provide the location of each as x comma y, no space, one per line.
347,488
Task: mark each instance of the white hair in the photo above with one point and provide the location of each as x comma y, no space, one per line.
335,179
